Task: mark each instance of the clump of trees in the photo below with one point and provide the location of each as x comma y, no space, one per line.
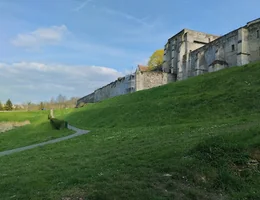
1,107
41,106
8,106
156,59
61,101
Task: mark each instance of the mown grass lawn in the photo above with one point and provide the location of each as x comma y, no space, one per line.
194,139
39,130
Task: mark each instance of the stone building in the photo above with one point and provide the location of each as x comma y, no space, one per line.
186,54
190,53
145,79
178,48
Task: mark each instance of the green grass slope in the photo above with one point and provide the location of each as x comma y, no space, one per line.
194,139
219,96
39,130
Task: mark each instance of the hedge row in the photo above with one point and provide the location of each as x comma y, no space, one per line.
57,123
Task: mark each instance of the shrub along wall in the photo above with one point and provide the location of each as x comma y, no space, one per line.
57,123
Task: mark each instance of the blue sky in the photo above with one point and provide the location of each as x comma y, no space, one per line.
73,47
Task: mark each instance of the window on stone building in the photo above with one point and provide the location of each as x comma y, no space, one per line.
257,34
233,47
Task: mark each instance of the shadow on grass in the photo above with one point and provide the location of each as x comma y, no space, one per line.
229,162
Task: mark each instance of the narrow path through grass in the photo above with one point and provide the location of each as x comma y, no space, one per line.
39,130
78,133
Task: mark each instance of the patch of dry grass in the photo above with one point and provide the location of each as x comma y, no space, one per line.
7,126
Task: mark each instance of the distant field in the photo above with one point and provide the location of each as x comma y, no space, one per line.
196,139
20,116
39,130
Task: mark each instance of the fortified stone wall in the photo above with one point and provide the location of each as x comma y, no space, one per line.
128,84
121,86
178,48
191,53
254,40
222,50
147,80
239,47
86,99
192,41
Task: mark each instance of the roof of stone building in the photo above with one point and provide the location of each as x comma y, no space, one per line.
190,30
143,68
253,21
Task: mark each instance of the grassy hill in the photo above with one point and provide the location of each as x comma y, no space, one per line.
194,139
225,95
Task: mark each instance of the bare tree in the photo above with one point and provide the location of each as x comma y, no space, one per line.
61,100
28,103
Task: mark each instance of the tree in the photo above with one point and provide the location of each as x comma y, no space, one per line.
156,59
73,100
52,101
29,103
61,100
41,107
8,105
1,106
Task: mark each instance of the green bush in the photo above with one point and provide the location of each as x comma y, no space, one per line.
58,124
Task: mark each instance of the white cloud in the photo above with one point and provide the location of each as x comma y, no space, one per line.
82,5
127,16
35,81
40,37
